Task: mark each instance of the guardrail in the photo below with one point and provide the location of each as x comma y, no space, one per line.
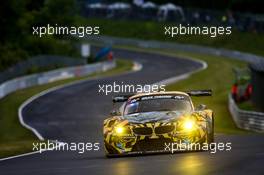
244,119
248,120
108,40
51,76
40,61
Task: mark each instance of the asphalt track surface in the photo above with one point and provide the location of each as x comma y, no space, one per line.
76,113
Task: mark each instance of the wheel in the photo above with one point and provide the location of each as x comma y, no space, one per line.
110,151
211,135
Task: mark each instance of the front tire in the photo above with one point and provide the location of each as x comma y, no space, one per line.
110,151
211,135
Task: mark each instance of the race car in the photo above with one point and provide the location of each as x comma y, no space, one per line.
147,122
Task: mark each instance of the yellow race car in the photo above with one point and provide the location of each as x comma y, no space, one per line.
149,122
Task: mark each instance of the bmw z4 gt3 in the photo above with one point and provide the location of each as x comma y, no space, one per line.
146,122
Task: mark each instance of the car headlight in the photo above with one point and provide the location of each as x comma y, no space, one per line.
188,125
119,130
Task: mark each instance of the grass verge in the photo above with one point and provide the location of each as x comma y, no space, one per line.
14,138
249,106
151,30
218,77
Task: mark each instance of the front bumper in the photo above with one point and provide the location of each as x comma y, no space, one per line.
147,145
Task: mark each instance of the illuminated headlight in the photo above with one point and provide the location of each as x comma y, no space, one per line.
119,130
188,125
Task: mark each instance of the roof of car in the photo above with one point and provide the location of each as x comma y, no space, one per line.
159,93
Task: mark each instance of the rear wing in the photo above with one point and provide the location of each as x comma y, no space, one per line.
199,93
121,98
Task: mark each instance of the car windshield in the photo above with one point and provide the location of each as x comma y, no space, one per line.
159,104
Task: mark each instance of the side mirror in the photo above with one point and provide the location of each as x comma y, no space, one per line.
115,113
200,107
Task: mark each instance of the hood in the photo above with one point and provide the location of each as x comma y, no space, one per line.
150,117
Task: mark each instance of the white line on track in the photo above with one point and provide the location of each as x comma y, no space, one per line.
136,67
185,75
31,153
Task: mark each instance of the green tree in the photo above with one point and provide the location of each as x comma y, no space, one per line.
61,12
17,17
10,11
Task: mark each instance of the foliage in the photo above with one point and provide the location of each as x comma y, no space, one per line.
17,19
151,30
